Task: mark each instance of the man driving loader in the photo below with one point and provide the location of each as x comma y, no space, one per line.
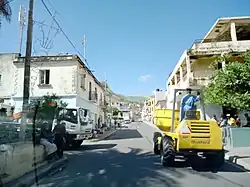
188,103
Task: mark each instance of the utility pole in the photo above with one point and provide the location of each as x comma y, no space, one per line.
21,20
26,81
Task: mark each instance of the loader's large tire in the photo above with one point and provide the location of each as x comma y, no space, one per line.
157,149
216,160
167,151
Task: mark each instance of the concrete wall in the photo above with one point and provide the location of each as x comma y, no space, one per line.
18,159
83,94
62,78
200,68
7,72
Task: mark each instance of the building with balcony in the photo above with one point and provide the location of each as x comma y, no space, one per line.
65,75
227,36
148,109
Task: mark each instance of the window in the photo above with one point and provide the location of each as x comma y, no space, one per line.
96,94
100,97
83,117
83,80
69,115
0,79
44,76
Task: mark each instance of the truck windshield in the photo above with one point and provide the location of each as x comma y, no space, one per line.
69,115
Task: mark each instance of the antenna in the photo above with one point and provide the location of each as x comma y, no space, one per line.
21,20
84,47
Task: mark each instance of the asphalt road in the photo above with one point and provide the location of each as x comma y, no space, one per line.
126,160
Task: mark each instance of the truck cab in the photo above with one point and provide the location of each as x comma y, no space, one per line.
77,122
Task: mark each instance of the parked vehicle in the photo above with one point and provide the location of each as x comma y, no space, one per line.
78,125
126,117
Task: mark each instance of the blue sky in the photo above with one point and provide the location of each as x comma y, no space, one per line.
136,42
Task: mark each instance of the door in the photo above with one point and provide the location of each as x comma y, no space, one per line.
85,122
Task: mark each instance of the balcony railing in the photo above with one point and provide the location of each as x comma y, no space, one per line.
103,104
199,48
199,81
93,96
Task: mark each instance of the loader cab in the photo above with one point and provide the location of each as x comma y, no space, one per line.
198,114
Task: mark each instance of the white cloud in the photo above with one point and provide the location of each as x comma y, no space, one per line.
144,78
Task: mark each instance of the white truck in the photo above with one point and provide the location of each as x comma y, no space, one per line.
78,124
126,116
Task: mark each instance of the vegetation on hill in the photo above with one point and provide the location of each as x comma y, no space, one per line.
130,99
134,99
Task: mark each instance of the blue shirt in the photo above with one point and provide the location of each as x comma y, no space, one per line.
188,103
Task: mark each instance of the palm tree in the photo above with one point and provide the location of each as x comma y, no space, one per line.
5,10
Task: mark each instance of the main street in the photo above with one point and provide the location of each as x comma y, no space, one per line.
126,160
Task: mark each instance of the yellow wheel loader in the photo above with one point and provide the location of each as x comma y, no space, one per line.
192,137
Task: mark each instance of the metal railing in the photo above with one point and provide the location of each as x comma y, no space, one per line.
9,132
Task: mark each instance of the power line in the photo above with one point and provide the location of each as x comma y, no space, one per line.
7,2
65,35
43,24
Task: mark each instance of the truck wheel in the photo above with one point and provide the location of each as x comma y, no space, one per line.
216,160
167,151
157,151
77,143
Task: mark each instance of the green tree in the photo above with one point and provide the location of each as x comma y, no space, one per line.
5,10
115,112
46,110
230,86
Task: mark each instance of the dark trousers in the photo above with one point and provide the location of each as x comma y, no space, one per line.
59,141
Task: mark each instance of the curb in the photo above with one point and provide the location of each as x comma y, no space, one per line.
237,161
105,136
28,179
152,125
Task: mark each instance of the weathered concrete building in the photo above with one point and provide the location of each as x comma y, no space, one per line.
64,75
227,36
7,82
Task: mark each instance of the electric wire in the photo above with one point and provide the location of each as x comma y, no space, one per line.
65,35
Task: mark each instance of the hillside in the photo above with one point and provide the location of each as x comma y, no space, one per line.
134,99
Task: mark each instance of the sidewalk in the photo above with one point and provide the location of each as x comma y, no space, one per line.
43,170
239,156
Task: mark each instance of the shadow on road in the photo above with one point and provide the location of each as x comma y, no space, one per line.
113,168
125,134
